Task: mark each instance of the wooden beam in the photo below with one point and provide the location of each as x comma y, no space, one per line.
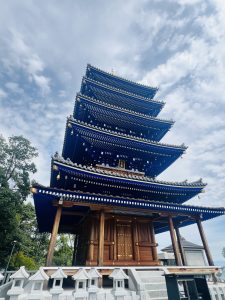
73,213
174,242
182,254
205,243
101,238
111,209
53,238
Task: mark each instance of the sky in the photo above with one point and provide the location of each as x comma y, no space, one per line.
176,45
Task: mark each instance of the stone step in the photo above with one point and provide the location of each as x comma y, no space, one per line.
155,286
157,293
158,279
150,273
161,298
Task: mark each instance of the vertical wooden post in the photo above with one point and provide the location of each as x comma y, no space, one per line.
135,242
91,242
174,242
183,258
101,238
114,240
53,238
154,249
204,242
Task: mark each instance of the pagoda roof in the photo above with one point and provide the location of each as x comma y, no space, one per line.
79,135
111,95
117,116
123,83
136,186
45,197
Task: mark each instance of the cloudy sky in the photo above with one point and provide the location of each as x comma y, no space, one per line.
177,45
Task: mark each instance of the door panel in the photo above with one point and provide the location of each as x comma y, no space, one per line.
124,241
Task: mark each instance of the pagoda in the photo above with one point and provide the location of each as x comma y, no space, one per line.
104,187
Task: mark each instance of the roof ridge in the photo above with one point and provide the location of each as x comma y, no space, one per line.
122,91
68,162
124,109
127,136
120,77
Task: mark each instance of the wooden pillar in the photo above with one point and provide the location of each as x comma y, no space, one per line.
53,238
154,249
136,242
101,238
91,241
174,242
182,254
114,240
204,242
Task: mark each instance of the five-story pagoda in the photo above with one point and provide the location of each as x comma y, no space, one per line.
104,189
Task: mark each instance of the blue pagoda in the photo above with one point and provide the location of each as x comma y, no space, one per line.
104,186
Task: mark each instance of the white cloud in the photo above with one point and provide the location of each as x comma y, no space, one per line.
178,45
3,94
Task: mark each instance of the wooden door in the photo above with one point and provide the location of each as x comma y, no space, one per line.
124,241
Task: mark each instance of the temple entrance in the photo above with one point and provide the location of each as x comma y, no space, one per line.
124,241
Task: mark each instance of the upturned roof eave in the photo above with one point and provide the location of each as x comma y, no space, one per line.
123,79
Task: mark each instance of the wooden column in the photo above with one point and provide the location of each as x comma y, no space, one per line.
114,240
136,242
91,241
154,249
204,242
174,242
183,258
101,238
53,238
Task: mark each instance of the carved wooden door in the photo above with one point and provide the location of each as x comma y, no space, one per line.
124,241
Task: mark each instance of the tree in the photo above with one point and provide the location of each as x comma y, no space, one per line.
17,218
16,165
64,251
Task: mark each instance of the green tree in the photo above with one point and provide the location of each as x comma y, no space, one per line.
17,219
64,251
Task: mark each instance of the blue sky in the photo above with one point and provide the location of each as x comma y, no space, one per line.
177,45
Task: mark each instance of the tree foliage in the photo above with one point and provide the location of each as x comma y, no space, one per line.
64,251
17,218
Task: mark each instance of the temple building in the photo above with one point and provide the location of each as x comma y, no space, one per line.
104,187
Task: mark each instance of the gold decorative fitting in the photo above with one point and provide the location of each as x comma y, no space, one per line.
54,167
33,190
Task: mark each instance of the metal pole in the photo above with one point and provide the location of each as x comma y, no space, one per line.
14,243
